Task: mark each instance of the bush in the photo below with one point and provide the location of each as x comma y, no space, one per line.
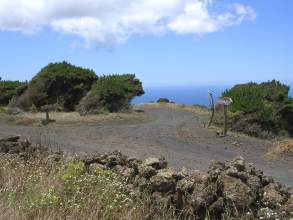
3,110
9,89
163,100
39,188
58,83
267,105
111,94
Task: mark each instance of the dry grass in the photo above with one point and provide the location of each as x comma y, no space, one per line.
192,108
281,147
74,117
36,189
284,146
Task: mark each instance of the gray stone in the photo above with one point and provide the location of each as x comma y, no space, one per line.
272,197
217,208
203,196
164,181
146,171
254,183
237,193
238,163
157,163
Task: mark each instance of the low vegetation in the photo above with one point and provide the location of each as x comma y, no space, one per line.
41,185
36,189
163,100
10,89
261,109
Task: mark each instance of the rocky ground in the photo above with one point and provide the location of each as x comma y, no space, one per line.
177,135
235,189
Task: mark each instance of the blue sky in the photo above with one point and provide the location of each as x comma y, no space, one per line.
254,44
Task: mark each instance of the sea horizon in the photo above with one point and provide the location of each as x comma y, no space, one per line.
188,95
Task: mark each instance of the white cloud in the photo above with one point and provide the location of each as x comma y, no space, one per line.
104,22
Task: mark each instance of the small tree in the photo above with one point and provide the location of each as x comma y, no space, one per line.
59,83
111,93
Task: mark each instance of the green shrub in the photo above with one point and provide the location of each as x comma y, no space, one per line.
111,94
163,100
267,104
3,110
9,89
58,83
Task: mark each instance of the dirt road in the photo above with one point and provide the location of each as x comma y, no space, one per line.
176,134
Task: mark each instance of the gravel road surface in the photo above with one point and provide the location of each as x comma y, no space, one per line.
176,134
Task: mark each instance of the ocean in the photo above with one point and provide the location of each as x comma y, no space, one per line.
188,95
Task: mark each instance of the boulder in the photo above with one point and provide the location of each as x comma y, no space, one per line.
156,163
215,169
164,181
134,163
10,139
146,171
238,163
54,158
141,182
161,200
96,166
287,208
266,180
127,173
183,173
254,182
89,159
217,208
203,196
272,196
14,145
187,184
116,158
234,172
236,193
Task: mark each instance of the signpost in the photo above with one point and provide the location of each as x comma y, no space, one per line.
225,101
212,108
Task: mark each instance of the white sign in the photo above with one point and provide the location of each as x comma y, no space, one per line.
225,101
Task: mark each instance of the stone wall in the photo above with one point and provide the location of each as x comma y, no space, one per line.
234,189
